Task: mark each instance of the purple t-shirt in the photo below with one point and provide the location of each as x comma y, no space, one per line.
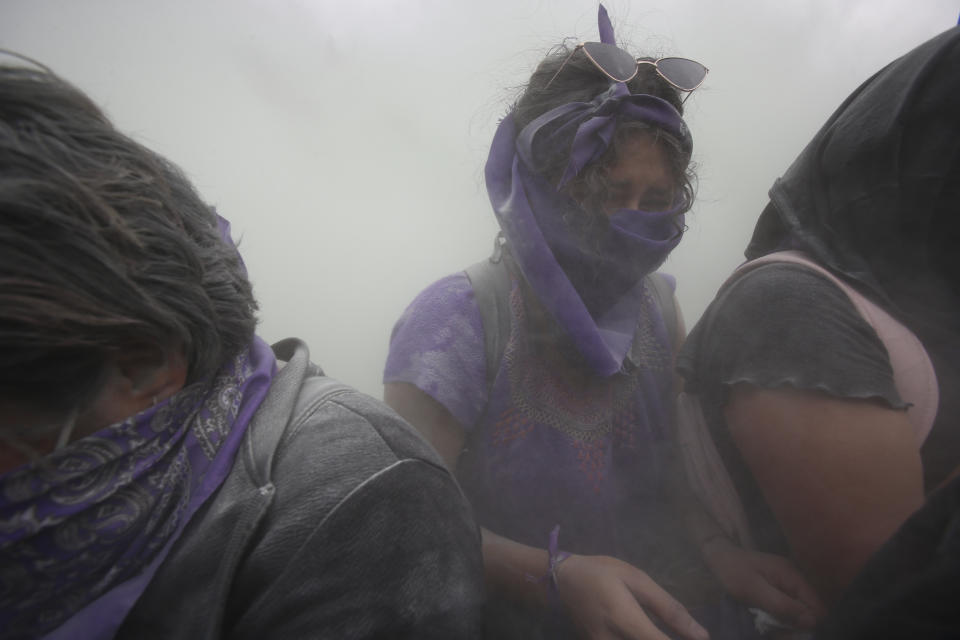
550,445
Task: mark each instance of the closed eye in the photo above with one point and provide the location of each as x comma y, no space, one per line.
658,204
651,200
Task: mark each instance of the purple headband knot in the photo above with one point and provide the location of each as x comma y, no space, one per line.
587,128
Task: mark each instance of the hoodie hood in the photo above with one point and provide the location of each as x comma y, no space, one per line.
875,196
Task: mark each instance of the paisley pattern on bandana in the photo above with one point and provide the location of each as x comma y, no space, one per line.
97,513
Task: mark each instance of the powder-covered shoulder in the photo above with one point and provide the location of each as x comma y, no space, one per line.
782,325
437,345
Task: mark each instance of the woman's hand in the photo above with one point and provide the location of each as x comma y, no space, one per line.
765,581
608,598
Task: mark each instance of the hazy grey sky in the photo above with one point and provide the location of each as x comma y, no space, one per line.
346,140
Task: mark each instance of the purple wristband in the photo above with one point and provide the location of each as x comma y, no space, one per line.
555,557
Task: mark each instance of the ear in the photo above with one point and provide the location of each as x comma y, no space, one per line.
577,190
151,374
134,381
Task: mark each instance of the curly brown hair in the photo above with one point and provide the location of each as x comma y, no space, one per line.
579,80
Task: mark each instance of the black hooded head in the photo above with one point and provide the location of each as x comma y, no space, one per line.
875,196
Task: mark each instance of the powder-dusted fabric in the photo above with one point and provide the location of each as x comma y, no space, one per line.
874,199
550,445
83,530
336,522
437,345
874,195
771,331
780,326
573,446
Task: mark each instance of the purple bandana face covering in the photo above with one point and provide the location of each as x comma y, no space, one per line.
606,258
581,280
590,281
83,531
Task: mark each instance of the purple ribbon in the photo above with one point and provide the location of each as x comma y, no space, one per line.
591,126
605,27
554,558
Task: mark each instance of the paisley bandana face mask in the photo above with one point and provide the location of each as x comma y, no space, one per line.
26,444
84,528
591,285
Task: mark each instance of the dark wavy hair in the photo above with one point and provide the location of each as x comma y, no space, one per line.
104,247
580,81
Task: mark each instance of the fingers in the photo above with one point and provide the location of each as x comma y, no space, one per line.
631,623
785,576
609,599
663,606
784,607
788,595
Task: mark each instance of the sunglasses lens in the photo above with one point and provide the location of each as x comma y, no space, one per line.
683,72
617,63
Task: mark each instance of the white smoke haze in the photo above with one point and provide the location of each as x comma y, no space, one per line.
346,140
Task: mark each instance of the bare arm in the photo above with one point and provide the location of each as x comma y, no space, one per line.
506,563
840,475
757,579
429,417
605,597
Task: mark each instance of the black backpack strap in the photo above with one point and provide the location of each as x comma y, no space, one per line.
663,294
491,288
490,279
269,425
298,386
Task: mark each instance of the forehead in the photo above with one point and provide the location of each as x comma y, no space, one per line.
641,155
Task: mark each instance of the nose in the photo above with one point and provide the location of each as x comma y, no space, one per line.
632,203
